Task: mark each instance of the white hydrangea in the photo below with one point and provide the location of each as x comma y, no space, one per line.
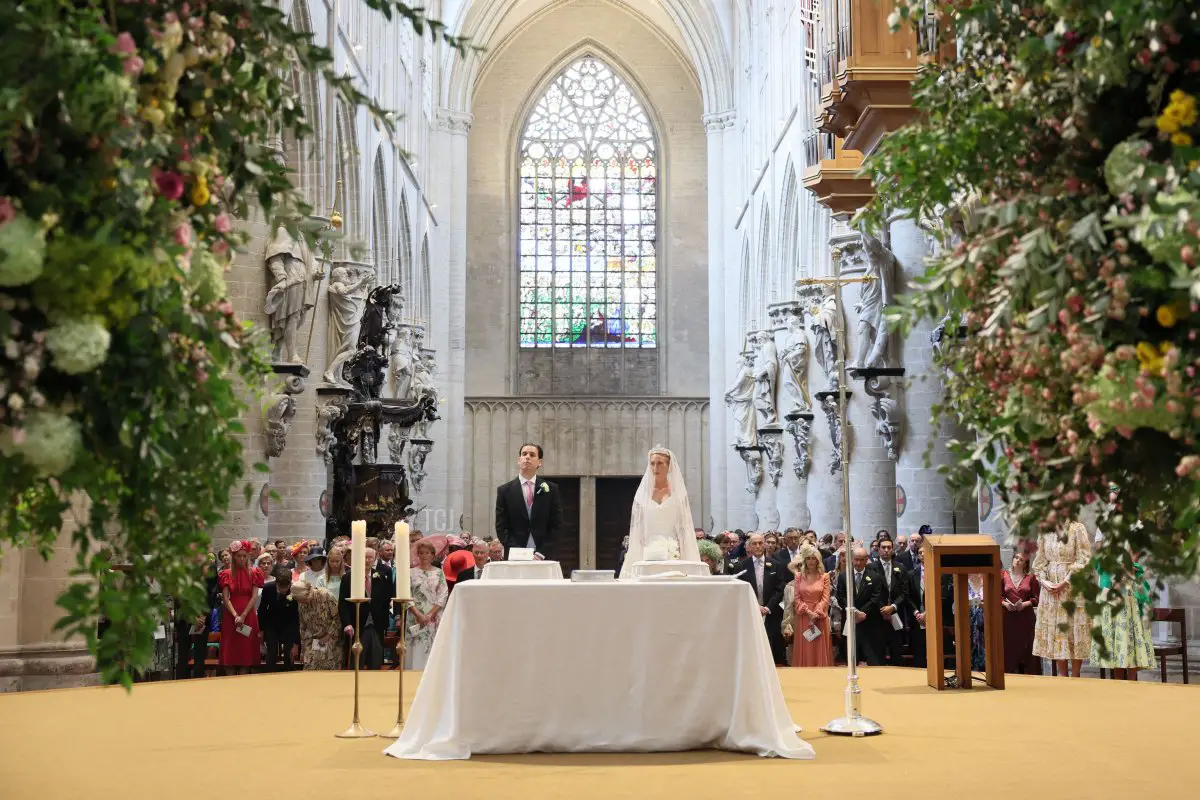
50,443
22,251
78,345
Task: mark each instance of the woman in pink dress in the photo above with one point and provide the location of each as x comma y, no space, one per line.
1019,592
240,586
806,608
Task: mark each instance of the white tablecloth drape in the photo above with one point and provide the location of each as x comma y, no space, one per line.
524,666
522,570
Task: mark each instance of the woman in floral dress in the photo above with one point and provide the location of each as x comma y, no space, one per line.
1126,630
429,598
1059,556
320,627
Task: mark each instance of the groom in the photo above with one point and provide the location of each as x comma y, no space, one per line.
528,510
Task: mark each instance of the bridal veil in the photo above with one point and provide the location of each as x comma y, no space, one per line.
682,528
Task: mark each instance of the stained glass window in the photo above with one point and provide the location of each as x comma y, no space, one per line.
588,205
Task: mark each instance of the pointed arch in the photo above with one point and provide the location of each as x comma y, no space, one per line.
747,285
762,268
348,198
789,234
423,297
588,212
404,254
381,245
304,156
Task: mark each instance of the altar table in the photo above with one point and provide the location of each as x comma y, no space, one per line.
556,666
517,570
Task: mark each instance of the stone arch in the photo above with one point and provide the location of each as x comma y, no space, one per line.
762,268
747,288
404,254
789,235
304,156
381,246
347,198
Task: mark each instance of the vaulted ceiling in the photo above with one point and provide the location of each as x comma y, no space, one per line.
702,30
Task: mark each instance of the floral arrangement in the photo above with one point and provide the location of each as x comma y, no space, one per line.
1056,164
132,135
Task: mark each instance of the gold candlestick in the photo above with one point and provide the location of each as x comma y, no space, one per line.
401,627
356,729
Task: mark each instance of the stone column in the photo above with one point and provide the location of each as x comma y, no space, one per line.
449,311
724,339
824,490
795,411
298,475
929,500
871,455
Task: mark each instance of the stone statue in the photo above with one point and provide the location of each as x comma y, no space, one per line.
825,329
740,397
773,456
348,289
397,441
874,296
883,410
279,418
793,365
423,386
292,293
754,469
801,430
402,356
328,416
416,463
766,371
830,406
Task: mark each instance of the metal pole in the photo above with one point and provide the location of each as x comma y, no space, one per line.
853,723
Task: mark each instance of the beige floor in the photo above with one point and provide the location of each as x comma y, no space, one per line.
271,738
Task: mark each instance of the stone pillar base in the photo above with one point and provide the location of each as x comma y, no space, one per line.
46,666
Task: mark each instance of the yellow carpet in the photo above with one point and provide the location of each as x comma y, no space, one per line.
270,737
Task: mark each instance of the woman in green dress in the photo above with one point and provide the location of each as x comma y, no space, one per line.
1125,628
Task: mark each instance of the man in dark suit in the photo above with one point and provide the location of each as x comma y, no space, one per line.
191,633
831,561
895,598
867,600
528,510
381,588
279,620
480,551
768,580
791,548
915,612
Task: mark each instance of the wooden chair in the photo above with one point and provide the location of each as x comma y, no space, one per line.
1163,650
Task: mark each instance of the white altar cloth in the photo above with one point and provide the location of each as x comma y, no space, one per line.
540,666
522,570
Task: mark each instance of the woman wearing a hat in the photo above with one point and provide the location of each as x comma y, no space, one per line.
315,562
240,637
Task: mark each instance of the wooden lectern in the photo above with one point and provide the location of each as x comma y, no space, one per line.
960,556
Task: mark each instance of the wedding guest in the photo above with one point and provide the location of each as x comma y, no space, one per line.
374,618
771,542
768,581
226,558
314,564
387,553
191,633
495,550
710,554
320,627
868,597
806,608
430,594
455,564
839,545
1125,629
279,617
335,566
915,611
266,563
978,638
1060,635
256,550
479,552
789,549
1019,593
299,553
902,554
240,586
893,602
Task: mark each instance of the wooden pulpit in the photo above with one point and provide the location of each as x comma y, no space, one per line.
960,556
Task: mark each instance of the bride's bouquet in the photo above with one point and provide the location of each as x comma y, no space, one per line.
662,550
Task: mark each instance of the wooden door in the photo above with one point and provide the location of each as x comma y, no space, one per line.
565,549
614,502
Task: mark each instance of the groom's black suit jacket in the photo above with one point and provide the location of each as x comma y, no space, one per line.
514,524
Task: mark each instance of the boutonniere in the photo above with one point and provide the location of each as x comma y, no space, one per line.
374,574
543,487
867,578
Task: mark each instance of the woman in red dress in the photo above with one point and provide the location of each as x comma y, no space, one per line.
240,637
1019,592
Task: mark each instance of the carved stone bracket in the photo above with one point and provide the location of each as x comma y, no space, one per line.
752,456
397,440
883,407
800,427
421,448
829,404
281,411
457,122
771,440
719,121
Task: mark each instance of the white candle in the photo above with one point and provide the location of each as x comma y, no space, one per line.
403,581
358,559
401,538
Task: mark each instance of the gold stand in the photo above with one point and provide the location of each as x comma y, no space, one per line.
401,627
356,729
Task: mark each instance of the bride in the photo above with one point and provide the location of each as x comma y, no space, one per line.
661,524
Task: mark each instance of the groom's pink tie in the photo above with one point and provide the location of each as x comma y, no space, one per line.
528,497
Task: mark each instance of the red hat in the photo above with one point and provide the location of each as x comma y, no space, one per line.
456,562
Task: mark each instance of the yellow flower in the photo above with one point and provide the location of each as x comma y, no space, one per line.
1149,357
110,183
1166,316
197,109
1097,41
1181,140
200,193
1180,113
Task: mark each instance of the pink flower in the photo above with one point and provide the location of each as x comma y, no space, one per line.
222,223
134,66
169,184
220,248
7,210
183,235
18,436
125,44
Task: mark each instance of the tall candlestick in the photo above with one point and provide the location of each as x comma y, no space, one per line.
358,559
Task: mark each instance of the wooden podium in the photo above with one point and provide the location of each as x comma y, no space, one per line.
960,556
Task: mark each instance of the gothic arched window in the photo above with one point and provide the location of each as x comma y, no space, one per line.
588,213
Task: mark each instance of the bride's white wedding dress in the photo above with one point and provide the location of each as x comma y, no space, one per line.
661,531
